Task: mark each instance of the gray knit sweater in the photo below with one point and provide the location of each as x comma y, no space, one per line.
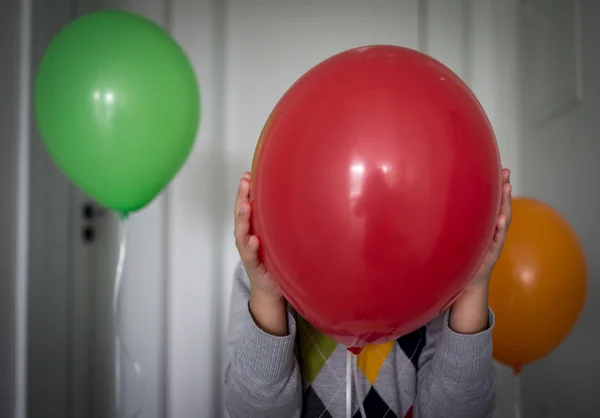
430,373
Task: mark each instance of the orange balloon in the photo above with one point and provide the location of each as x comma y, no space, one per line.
539,285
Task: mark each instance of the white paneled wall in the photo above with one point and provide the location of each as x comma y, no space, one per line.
197,211
247,53
560,149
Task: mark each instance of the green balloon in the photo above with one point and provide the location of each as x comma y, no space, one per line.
117,105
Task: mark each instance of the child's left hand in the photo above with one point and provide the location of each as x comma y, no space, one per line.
482,277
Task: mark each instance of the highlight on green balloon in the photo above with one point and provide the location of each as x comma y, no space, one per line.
117,105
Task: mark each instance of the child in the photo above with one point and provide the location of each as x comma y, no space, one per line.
278,366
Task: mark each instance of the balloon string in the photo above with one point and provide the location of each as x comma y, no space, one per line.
359,394
352,377
349,385
120,347
517,395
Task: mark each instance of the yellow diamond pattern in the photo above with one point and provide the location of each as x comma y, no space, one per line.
372,357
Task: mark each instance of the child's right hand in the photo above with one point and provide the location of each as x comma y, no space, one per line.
247,244
266,301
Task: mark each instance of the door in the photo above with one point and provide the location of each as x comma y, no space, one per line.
559,151
69,353
9,207
73,258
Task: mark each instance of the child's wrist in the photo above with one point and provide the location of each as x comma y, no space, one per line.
469,313
266,295
269,312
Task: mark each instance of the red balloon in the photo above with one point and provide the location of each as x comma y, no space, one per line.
376,188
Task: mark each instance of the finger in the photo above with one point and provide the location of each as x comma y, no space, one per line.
242,195
242,225
506,209
247,176
501,229
505,175
250,253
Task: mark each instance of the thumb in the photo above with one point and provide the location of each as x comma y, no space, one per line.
252,247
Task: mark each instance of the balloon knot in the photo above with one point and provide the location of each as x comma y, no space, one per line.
355,350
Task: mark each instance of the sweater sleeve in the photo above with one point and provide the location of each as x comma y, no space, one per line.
456,376
261,373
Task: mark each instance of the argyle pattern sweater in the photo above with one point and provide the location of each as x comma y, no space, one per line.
429,373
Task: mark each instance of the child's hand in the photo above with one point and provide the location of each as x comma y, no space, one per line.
262,284
267,305
484,273
469,313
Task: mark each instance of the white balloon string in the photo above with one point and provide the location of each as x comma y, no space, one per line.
357,387
518,395
121,349
348,384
